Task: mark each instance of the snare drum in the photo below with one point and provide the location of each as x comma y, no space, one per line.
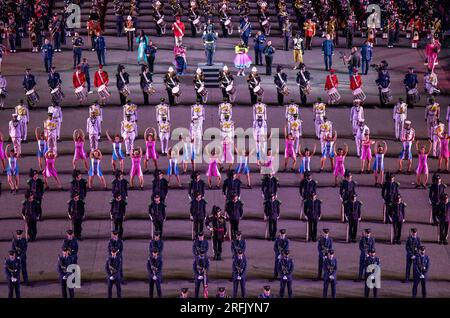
32,96
3,93
160,21
227,22
359,94
196,21
56,94
230,89
125,91
202,91
334,95
103,91
258,90
264,23
386,94
413,91
149,89
80,93
176,91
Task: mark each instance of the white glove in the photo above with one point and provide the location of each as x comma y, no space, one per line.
200,277
422,276
111,277
331,277
284,278
239,278
154,277
13,279
279,257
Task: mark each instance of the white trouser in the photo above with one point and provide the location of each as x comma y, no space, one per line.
399,123
58,129
129,141
431,122
436,146
51,141
197,142
178,40
296,135
355,126
17,144
164,137
358,146
318,121
93,141
24,125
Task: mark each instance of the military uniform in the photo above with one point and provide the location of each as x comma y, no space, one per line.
313,212
396,216
329,274
64,261
76,213
12,273
239,276
269,186
366,244
371,260
200,268
160,186
271,215
200,244
307,187
218,225
389,191
198,214
412,249
117,213
437,188
112,267
31,212
443,217
93,129
36,186
120,185
285,270
421,267
196,186
156,243
281,244
231,186
324,245
154,268
20,245
116,243
71,244
157,213
352,215
235,212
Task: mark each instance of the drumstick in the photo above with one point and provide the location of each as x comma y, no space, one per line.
392,233
307,230
267,229
301,208
346,235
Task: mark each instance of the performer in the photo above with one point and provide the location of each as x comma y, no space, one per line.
430,83
3,90
309,28
339,169
154,268
295,127
47,54
95,168
280,82
23,116
313,212
412,250
245,30
100,48
239,273
407,138
213,170
197,213
234,213
269,51
113,273
78,185
142,41
216,223
158,15
328,139
319,111
209,41
366,152
299,50
378,164
50,132
54,84
57,117
122,81
199,86
242,60
352,213
324,246
29,85
194,18
79,83
157,213
443,217
172,85
93,129
129,30
254,84
444,151
31,213
101,81
410,81
150,145
272,214
371,260
356,115
50,170
303,81
331,87
432,114
285,269
178,30
201,273
383,82
164,134
19,245
76,212
79,153
64,261
396,216
226,81
420,271
361,131
399,116
422,168
329,273
128,129
150,53
431,51
136,170
356,86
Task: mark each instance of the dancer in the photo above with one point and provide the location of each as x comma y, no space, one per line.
150,147
50,170
188,152
172,169
422,168
407,137
95,169
79,154
378,164
117,154
164,134
242,60
289,151
267,165
339,168
328,141
12,171
444,153
227,152
136,170
2,153
213,169
305,159
243,167
366,152
42,147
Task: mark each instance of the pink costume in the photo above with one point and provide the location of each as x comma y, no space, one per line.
366,153
445,153
136,166
227,156
431,52
267,166
422,168
289,148
213,170
50,170
2,151
79,150
151,150
339,168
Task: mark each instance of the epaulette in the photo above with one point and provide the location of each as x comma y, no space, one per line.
23,201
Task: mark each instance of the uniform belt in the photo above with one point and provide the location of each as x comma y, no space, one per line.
209,42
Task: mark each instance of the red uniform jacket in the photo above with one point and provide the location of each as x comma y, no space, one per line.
331,81
100,80
355,82
78,79
178,29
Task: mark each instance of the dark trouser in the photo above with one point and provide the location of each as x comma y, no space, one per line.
320,268
119,25
409,263
118,226
308,42
397,230
286,43
234,224
130,40
146,102
391,38
156,282
199,282
171,97
352,229
57,41
217,246
365,66
23,266
12,42
443,231
236,284
349,39
158,30
194,30
272,228
312,224
76,226
158,226
245,39
150,62
382,100
76,57
326,283
328,62
64,289
434,210
275,269
93,36
362,260
269,64
32,229
367,291
123,99
280,98
423,282
225,94
47,64
88,82
224,30
13,287
258,55
303,97
101,57
283,284
118,287
253,97
209,56
198,226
